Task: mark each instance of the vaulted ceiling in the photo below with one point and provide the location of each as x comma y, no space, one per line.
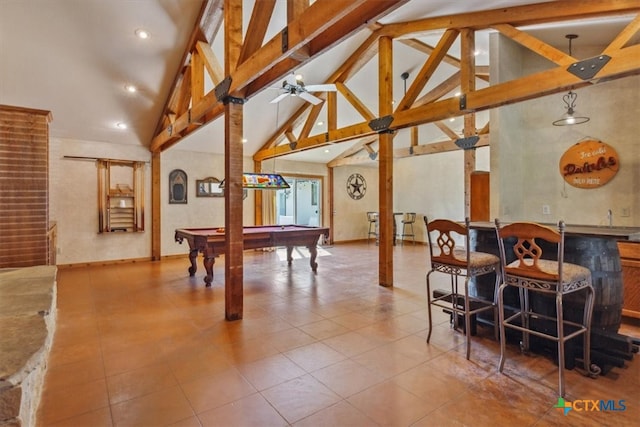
75,57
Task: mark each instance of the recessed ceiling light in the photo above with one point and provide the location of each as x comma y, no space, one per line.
457,94
452,119
299,77
121,125
244,140
320,123
130,88
142,34
326,150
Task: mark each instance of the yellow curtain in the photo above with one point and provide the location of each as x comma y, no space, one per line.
269,207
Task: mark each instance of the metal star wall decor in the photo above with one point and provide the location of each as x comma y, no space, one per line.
356,186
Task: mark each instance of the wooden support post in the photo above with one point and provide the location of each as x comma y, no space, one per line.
330,183
233,124
156,217
257,199
385,165
467,83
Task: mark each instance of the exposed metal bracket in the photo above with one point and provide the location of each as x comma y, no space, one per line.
293,145
222,90
326,137
222,93
170,129
411,150
373,155
285,39
468,142
381,124
463,102
587,68
233,100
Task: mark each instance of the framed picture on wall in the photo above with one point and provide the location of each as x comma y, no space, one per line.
209,187
177,187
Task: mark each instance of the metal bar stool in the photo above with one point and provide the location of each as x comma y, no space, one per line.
448,259
372,217
408,221
530,273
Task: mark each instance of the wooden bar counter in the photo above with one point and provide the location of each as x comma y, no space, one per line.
616,281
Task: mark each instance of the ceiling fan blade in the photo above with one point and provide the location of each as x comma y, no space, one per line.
279,98
310,98
328,87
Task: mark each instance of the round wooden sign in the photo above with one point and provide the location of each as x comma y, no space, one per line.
589,164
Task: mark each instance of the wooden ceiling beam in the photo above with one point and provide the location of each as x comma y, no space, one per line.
197,77
625,36
358,59
313,22
257,28
208,23
351,151
539,13
330,36
623,63
292,122
417,150
355,101
211,63
321,25
435,147
429,67
446,130
311,120
354,63
423,47
535,45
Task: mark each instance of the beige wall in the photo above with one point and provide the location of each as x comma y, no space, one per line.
523,160
526,147
350,216
73,203
431,185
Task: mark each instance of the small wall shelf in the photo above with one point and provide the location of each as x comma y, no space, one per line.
120,196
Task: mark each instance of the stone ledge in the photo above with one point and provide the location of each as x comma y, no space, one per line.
27,325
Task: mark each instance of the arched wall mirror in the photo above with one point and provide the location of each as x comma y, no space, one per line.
177,187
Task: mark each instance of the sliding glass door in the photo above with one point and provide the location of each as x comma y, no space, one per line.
300,204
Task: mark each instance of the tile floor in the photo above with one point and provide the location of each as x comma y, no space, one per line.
143,344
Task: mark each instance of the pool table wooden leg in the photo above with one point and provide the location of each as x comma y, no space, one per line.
209,258
289,253
193,257
313,251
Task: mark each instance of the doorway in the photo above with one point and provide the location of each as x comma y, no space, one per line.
300,204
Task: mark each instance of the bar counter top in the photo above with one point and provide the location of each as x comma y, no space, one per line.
619,233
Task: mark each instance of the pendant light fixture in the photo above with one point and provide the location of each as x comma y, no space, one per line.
570,117
263,181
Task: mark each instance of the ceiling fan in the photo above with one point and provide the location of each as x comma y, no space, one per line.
294,86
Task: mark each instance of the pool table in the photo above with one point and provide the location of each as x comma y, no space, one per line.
211,242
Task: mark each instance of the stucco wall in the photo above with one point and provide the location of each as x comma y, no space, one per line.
526,147
523,161
431,185
73,203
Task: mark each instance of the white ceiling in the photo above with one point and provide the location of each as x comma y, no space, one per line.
74,58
